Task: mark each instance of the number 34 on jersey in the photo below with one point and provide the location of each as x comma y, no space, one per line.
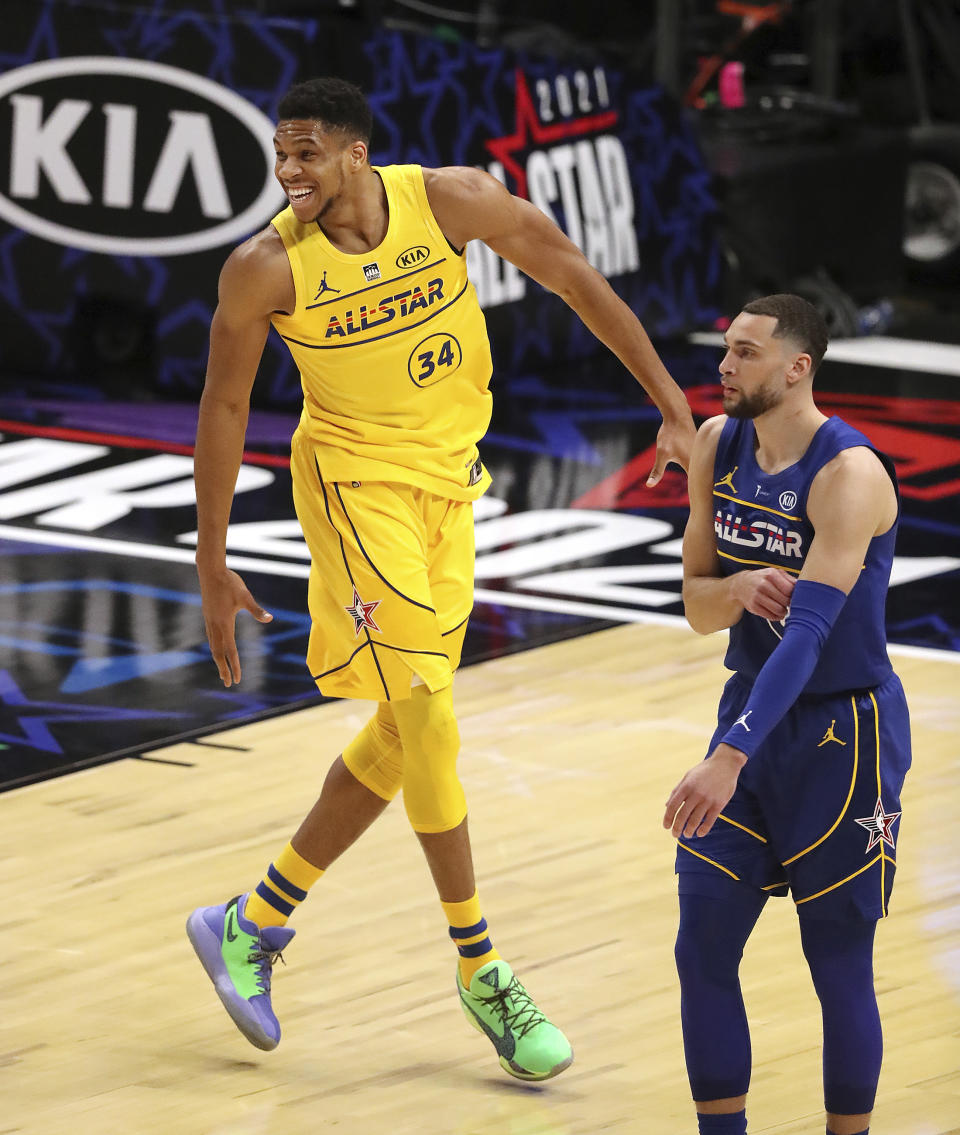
434,359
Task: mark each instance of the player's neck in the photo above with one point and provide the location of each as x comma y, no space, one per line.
359,219
784,434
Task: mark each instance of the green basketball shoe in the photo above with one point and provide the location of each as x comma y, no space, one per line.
529,1046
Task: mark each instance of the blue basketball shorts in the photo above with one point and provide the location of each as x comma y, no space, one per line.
817,810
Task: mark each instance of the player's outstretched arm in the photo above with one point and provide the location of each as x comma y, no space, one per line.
251,286
472,205
712,601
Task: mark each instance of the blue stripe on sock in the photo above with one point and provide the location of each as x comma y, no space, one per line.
478,949
285,885
274,899
734,1123
468,931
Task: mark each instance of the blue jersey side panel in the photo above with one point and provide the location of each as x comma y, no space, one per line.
761,520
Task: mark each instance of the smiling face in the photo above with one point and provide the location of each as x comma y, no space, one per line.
312,165
758,368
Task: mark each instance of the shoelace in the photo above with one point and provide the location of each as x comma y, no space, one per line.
517,1008
265,960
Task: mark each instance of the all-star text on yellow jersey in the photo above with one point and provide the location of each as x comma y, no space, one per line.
392,350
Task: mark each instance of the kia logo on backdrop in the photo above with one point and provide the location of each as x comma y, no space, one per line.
131,157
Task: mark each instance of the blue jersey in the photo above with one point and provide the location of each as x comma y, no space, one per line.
761,521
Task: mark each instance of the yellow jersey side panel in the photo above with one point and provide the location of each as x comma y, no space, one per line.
392,350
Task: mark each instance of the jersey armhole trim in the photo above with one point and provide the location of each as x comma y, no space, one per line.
421,191
296,268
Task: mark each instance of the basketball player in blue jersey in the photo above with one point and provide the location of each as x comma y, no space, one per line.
789,544
363,275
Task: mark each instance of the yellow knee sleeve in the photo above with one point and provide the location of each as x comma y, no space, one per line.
375,755
432,793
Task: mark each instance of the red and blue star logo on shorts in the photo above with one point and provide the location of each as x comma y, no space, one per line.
363,613
880,826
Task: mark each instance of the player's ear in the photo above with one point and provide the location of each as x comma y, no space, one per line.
357,152
801,368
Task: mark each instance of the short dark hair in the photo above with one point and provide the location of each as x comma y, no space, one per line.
797,319
338,104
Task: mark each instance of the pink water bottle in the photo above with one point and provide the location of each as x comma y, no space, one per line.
730,84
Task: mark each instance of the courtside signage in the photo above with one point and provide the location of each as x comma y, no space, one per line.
131,157
69,494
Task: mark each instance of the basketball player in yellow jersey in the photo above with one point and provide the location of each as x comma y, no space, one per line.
364,277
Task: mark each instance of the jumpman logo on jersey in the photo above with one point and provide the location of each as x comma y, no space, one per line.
830,736
362,613
325,287
742,719
726,481
880,826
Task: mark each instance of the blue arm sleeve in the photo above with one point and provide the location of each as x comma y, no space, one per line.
814,608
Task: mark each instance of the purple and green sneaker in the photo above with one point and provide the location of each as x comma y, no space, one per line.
238,957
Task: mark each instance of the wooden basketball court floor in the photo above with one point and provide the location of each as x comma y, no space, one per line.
569,752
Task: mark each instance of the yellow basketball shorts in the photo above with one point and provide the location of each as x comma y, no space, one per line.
391,582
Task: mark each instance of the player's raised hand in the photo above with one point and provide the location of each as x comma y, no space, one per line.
765,592
703,793
674,442
224,594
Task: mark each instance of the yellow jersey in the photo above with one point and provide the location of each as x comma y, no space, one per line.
392,349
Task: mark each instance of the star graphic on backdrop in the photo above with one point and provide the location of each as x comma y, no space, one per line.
527,125
880,826
362,613
34,718
410,87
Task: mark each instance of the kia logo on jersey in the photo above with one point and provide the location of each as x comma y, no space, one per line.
413,256
132,157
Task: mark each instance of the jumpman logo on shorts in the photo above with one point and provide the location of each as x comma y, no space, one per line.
742,719
830,736
325,287
726,481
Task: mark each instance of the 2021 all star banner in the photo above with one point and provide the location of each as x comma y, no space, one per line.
135,151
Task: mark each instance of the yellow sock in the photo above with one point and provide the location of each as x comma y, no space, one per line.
468,929
281,890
